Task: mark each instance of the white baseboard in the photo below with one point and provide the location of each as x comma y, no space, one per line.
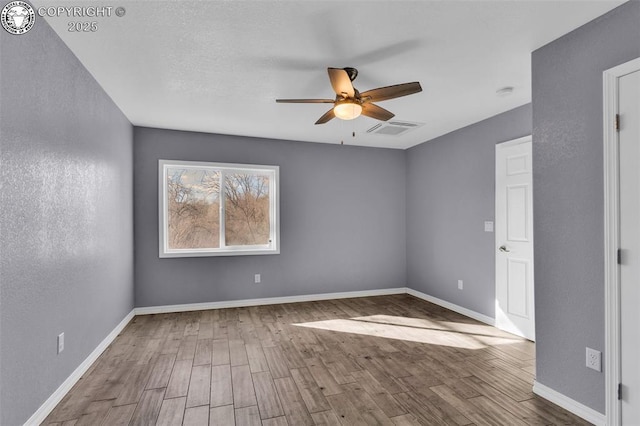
266,301
55,398
311,298
580,410
452,307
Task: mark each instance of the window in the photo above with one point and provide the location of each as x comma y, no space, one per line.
217,209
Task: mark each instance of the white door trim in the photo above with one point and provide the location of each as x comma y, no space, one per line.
611,238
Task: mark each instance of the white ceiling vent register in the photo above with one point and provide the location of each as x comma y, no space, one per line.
394,127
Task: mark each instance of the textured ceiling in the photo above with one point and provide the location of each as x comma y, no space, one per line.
218,66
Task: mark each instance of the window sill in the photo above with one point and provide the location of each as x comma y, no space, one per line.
209,253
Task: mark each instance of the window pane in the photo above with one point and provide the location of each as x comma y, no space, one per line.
246,209
193,198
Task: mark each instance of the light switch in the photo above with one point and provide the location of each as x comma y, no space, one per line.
488,226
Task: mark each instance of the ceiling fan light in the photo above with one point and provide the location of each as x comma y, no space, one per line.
347,110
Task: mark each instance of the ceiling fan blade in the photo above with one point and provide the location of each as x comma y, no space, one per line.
374,111
326,117
341,82
306,101
390,92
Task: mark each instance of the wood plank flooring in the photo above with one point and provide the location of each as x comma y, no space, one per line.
388,360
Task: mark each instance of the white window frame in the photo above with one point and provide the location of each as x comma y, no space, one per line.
273,247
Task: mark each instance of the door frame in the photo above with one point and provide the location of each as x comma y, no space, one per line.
611,238
500,145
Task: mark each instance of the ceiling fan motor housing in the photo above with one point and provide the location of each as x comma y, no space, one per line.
351,72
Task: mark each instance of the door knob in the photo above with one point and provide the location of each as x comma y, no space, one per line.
504,249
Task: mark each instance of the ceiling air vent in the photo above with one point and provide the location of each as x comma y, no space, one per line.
393,127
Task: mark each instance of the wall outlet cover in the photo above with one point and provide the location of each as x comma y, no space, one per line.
594,359
256,278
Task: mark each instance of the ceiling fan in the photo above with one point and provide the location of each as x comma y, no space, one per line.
349,103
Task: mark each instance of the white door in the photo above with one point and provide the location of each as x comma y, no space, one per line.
514,238
629,148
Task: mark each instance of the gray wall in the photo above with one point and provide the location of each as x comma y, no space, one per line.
568,197
342,214
450,193
66,261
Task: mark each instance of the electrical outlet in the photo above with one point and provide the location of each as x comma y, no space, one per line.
256,278
594,359
60,342
460,284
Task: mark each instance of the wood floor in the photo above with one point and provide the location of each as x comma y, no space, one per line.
388,360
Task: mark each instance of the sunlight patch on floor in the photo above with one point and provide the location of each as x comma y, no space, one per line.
420,330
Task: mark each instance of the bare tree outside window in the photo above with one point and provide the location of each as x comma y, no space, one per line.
247,209
193,197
